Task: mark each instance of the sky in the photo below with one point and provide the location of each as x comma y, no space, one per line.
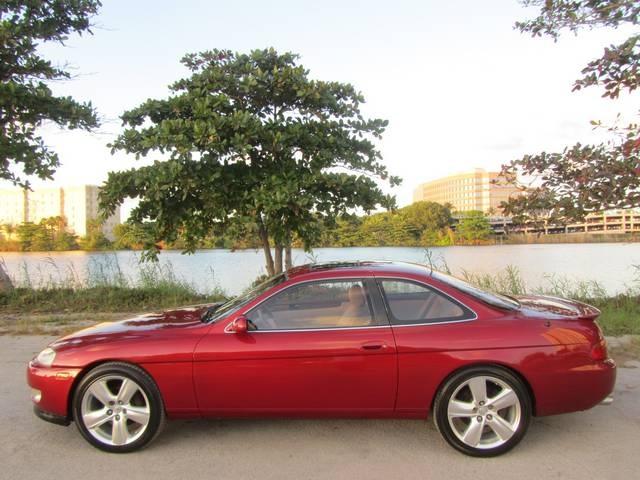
460,87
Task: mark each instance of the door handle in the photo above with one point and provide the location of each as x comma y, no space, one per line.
373,346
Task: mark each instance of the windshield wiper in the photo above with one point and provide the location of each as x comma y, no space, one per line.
210,310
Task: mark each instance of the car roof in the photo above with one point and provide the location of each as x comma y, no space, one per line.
358,266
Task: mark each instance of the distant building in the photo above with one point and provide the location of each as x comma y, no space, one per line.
468,191
611,221
77,205
13,206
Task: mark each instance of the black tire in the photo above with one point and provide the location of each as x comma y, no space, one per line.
150,395
454,385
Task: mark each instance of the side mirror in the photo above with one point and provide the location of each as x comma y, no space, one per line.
239,325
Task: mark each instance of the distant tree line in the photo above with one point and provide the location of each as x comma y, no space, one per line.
49,235
419,224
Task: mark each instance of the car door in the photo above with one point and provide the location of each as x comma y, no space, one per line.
427,324
315,347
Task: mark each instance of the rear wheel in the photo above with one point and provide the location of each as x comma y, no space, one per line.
118,408
483,411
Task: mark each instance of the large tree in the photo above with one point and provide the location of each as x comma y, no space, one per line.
567,185
26,101
249,142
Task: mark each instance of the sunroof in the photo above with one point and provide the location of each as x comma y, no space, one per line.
338,264
312,267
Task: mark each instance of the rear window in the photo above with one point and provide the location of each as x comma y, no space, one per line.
411,303
493,299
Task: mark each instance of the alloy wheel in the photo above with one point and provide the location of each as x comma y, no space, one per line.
115,410
484,412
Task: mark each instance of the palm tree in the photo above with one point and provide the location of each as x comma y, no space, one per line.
389,203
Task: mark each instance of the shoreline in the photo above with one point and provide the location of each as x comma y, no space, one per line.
556,239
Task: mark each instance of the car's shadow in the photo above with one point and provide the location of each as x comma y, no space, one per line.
354,433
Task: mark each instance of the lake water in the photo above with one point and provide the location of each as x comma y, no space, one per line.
610,264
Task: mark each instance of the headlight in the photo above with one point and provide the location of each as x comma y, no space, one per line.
46,357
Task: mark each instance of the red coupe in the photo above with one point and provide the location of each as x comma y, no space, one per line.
361,339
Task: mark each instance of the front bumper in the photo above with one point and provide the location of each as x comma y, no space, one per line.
54,385
51,417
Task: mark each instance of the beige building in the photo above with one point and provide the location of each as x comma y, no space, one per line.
13,206
467,191
77,205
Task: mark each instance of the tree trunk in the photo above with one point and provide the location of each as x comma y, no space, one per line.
278,258
264,237
287,257
6,284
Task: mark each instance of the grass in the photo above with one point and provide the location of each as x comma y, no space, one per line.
64,299
102,288
100,299
620,313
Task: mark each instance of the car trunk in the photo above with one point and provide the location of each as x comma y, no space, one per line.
558,306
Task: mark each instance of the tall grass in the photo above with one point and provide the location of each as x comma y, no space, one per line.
620,313
102,287
508,281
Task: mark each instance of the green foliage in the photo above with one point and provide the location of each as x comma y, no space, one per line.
49,234
249,142
426,216
102,287
438,238
473,227
95,238
385,229
419,224
132,236
617,69
416,225
620,313
584,178
26,102
99,299
509,281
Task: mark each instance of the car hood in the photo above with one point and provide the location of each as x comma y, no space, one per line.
169,322
555,306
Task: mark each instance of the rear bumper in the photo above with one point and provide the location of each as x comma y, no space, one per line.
579,388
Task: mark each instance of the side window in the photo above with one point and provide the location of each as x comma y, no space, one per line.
414,303
325,304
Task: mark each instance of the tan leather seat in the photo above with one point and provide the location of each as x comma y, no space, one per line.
356,311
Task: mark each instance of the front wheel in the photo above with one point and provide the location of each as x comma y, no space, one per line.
118,408
483,411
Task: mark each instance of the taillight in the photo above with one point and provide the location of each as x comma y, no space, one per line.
599,350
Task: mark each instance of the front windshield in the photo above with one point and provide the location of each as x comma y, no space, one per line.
495,299
236,303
